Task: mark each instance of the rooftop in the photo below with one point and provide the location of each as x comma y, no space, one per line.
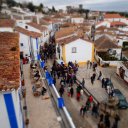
7,23
117,23
67,40
10,61
63,32
28,33
115,15
37,26
70,39
104,43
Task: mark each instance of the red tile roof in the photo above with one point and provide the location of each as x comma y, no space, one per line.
70,39
43,22
112,16
7,23
9,61
28,33
65,32
67,40
37,26
104,43
117,23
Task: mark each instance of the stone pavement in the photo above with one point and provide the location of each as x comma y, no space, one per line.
74,106
98,92
41,112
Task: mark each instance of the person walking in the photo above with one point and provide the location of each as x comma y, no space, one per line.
84,110
103,81
90,99
107,120
81,93
81,110
117,119
99,77
71,91
92,80
78,96
94,76
95,110
88,62
61,91
83,83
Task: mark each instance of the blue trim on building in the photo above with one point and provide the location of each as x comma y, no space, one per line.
37,43
10,110
37,47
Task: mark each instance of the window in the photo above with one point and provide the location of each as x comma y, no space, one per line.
21,44
74,50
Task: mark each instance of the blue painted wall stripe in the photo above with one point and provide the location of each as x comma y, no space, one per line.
37,43
10,110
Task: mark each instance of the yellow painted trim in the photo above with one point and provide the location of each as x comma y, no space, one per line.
93,53
64,53
81,64
112,66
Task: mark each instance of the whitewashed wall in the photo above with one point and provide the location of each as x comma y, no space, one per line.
4,117
4,29
4,120
26,44
77,20
126,71
104,23
84,51
113,19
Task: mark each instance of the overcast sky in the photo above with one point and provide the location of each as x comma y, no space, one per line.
117,5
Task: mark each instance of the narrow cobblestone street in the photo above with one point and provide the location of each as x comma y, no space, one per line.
41,112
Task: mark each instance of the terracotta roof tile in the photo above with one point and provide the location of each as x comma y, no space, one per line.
70,39
117,23
65,32
58,16
37,26
28,33
7,23
44,22
10,60
67,40
104,43
112,16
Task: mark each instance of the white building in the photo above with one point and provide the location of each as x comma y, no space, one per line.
41,29
74,49
10,84
7,25
113,17
107,51
77,19
122,70
29,42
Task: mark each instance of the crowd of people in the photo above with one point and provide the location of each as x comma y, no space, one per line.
48,51
105,122
66,75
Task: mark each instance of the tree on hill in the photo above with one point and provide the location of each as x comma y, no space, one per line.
1,5
31,7
11,3
40,7
53,9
